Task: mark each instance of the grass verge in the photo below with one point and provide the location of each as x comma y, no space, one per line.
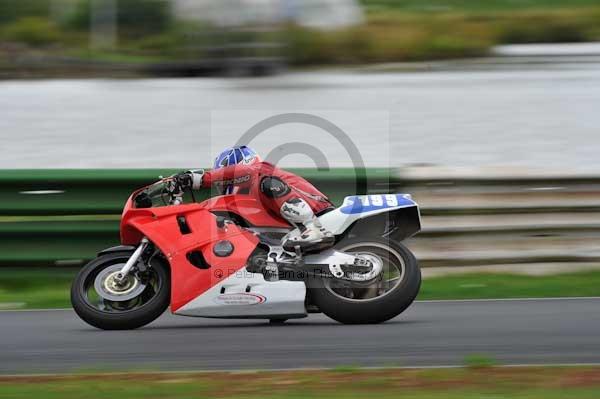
489,382
489,286
47,288
35,288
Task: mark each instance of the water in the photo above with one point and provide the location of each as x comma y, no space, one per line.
544,116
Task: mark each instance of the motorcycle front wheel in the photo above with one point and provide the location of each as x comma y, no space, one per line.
382,299
101,302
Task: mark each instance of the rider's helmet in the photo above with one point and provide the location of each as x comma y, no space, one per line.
236,155
233,156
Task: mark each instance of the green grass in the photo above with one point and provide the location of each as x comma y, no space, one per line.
492,382
478,360
484,285
35,288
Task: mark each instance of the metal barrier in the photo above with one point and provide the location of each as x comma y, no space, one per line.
63,217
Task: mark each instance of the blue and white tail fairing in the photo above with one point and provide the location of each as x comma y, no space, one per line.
358,207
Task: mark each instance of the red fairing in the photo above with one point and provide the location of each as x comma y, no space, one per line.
129,235
161,227
248,207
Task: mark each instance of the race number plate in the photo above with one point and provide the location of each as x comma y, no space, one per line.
369,203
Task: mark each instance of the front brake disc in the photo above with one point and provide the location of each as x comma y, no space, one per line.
107,287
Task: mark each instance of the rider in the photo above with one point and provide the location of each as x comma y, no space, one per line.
238,169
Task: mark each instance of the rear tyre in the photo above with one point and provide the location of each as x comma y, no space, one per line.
353,304
133,313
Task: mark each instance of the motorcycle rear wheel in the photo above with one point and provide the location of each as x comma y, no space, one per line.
383,300
120,315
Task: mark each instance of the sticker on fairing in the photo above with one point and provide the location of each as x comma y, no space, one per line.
368,203
242,298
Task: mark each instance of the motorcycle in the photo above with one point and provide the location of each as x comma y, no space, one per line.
223,258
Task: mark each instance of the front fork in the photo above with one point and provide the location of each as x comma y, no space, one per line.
122,275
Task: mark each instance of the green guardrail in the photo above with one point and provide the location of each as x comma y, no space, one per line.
63,217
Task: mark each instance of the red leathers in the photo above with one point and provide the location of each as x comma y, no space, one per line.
271,185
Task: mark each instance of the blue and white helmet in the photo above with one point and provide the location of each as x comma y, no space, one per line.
236,155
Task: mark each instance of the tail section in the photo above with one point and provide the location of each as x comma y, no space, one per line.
359,207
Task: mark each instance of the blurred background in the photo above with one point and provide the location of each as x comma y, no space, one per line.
188,37
486,111
457,83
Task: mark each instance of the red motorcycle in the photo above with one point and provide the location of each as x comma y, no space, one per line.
222,258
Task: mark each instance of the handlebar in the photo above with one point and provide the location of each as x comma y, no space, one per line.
171,189
176,186
174,189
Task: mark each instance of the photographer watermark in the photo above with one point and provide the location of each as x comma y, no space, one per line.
314,142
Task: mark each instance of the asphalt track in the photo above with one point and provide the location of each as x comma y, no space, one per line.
428,334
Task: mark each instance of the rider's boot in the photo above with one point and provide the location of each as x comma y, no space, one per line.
313,236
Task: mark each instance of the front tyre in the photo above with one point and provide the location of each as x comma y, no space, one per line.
102,304
385,298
